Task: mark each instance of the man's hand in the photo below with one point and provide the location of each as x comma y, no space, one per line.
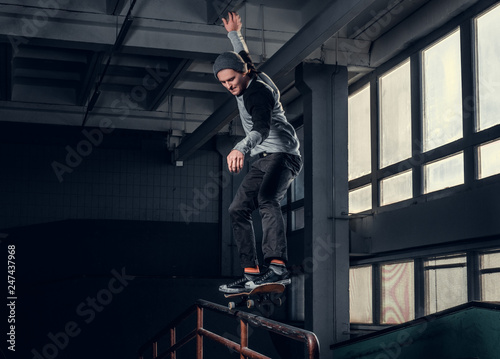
233,22
235,161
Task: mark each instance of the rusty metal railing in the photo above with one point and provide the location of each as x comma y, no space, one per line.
199,333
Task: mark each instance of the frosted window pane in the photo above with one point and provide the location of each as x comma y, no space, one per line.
360,295
491,260
445,287
444,173
395,116
284,201
398,293
396,188
298,219
489,159
359,134
298,183
490,288
490,282
360,199
442,92
488,69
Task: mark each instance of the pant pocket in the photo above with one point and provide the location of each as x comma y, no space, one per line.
293,163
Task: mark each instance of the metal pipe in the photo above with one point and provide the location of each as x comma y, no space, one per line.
155,350
166,330
245,352
308,338
243,336
199,338
118,43
173,335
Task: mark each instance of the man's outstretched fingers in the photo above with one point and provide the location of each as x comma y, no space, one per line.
233,21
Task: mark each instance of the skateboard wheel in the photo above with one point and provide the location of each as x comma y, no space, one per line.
231,305
250,304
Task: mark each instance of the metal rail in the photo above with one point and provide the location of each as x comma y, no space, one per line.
309,338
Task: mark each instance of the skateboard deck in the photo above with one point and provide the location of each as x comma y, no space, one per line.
262,294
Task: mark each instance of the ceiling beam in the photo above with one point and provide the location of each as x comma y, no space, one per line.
88,31
151,37
89,77
209,128
216,9
342,52
421,23
312,35
43,64
69,115
176,68
5,72
194,41
115,7
210,95
124,29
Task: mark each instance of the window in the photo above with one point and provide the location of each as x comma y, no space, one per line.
445,282
490,276
359,134
360,199
396,188
298,219
395,115
488,159
411,288
360,295
442,97
488,69
437,118
292,205
437,126
444,173
398,293
298,183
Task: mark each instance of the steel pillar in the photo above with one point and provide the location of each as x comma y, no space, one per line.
326,264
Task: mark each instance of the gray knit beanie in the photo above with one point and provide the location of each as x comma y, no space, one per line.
229,60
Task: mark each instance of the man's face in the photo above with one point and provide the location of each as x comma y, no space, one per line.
234,81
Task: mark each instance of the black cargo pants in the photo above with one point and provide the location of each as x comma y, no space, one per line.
263,188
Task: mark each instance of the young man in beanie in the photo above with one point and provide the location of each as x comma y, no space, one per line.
270,138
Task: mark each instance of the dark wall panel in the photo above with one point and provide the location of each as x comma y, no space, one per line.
466,215
53,173
111,283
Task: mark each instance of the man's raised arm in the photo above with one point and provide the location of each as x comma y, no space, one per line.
233,28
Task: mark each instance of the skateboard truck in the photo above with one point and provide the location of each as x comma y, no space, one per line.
263,296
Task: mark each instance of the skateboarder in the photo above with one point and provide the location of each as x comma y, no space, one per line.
270,138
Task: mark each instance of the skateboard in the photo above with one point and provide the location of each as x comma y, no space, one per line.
265,294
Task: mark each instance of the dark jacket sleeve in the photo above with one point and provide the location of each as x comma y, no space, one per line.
259,103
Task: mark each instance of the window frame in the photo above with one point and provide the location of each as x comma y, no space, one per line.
481,272
471,138
472,263
468,144
292,205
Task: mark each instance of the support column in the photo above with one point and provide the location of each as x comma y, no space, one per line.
326,248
